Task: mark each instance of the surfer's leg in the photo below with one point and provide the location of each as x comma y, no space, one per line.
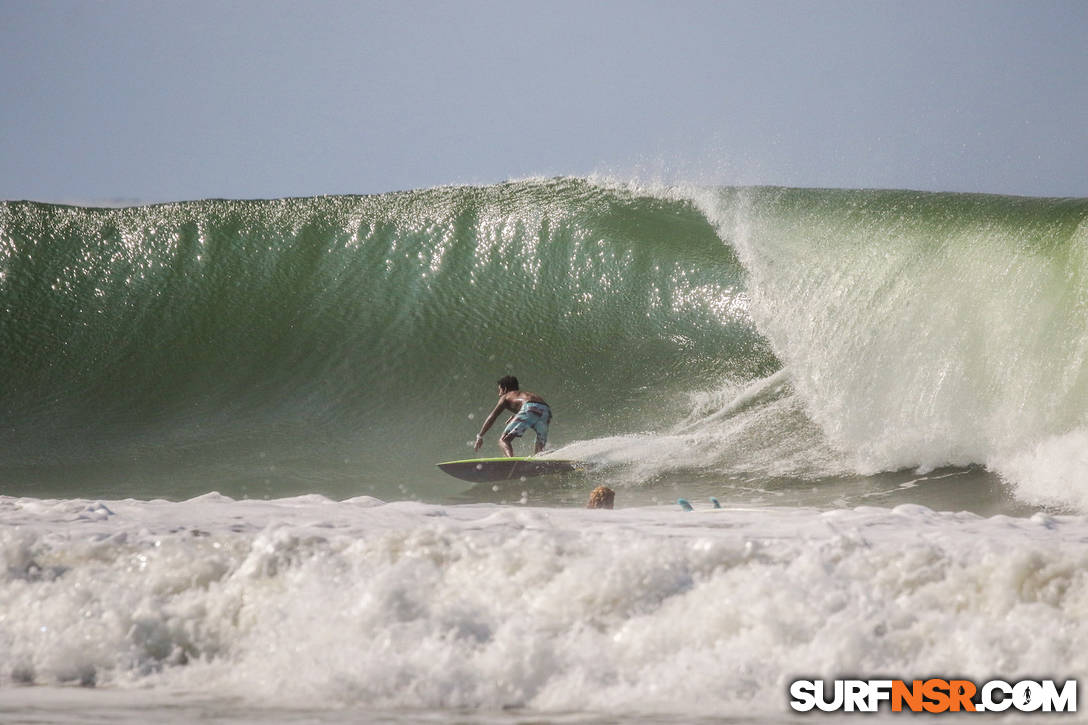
514,429
541,428
504,441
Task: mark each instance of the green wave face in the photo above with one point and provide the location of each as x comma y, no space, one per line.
345,344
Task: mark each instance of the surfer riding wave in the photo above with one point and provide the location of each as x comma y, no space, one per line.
530,411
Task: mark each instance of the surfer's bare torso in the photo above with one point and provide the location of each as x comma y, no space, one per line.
513,400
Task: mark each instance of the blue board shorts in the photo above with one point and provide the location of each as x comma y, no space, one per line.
532,415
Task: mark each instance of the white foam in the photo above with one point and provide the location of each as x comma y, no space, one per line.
1054,471
311,603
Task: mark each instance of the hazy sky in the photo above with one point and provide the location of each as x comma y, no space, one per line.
157,100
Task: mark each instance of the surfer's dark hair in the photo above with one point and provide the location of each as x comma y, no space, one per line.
509,382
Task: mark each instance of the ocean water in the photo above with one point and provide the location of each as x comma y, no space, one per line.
219,422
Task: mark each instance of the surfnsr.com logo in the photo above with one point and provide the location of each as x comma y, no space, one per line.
933,695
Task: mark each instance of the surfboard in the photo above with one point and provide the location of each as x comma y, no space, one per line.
479,470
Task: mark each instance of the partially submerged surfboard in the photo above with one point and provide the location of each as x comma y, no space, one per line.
479,470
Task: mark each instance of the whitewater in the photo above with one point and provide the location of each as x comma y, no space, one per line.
219,422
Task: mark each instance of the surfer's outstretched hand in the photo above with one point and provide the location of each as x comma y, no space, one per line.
479,442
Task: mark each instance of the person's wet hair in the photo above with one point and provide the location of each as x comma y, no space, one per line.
509,382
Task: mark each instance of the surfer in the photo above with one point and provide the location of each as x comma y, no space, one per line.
530,411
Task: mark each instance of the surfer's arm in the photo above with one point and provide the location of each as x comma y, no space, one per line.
487,423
